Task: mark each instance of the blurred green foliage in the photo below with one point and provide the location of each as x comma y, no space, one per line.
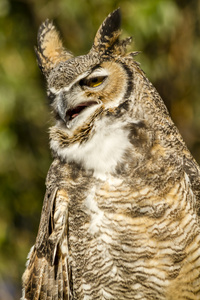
167,33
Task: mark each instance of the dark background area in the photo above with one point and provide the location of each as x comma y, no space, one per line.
167,33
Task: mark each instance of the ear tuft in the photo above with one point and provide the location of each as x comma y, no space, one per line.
50,49
108,32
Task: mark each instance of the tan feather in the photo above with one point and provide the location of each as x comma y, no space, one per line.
50,51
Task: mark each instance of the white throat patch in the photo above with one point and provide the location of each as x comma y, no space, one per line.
102,152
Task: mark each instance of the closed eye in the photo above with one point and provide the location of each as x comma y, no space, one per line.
92,82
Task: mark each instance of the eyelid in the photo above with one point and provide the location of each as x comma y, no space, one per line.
98,73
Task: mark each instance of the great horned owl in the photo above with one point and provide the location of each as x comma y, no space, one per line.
120,218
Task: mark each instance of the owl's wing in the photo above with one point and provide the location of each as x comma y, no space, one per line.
47,275
193,171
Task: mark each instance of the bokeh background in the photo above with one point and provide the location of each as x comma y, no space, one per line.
168,34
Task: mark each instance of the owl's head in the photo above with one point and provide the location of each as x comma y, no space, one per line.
79,87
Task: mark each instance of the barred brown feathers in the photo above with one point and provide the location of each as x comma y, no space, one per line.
120,217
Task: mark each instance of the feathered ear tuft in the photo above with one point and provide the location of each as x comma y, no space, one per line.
120,47
50,50
108,32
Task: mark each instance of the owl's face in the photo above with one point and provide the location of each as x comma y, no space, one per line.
87,88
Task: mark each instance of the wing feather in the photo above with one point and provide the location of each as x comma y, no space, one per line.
47,274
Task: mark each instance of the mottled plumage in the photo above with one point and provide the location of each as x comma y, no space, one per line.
120,218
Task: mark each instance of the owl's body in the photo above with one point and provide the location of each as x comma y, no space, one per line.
120,216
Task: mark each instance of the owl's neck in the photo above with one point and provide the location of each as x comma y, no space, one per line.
101,153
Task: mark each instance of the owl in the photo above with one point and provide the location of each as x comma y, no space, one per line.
120,218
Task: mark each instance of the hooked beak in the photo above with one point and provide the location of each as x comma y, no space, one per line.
68,114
